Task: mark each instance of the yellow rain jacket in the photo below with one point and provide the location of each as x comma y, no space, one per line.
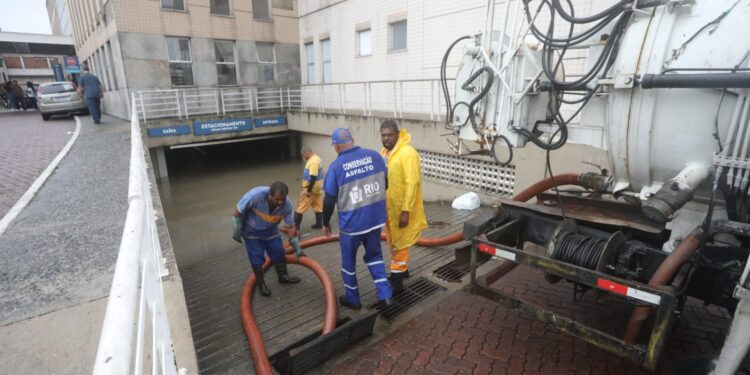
404,192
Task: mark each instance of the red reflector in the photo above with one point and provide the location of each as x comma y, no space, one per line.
486,248
612,286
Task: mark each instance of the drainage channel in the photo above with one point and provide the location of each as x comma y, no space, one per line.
413,293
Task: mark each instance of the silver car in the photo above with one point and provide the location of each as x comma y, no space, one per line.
59,98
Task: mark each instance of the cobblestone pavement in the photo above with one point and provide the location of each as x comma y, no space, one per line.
27,145
468,334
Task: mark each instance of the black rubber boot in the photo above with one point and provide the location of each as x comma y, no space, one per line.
284,277
260,283
404,275
318,221
345,302
297,219
386,303
397,282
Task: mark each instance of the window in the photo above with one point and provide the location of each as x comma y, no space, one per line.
283,4
173,4
310,56
180,61
398,36
364,43
325,48
266,62
261,10
226,68
221,7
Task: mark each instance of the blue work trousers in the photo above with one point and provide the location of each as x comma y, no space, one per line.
373,259
95,109
256,250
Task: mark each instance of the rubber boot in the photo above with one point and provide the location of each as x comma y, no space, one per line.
385,304
318,221
260,282
397,282
284,277
297,219
404,275
345,302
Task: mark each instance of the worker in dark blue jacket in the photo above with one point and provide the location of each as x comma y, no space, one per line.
356,182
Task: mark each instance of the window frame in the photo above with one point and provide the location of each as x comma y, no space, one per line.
170,61
310,62
184,6
323,61
266,63
270,12
358,42
231,9
392,35
233,63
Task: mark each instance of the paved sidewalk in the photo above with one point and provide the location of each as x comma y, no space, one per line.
468,334
27,145
57,257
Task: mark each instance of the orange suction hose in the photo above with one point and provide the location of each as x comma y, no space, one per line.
254,338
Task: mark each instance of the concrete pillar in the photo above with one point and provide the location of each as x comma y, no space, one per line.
294,145
161,163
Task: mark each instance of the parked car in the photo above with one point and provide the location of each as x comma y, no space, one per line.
59,98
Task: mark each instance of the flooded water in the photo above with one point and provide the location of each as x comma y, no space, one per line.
206,183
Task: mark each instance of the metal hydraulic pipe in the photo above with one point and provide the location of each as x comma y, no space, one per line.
663,275
695,81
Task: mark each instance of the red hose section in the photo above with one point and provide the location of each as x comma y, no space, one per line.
663,275
254,338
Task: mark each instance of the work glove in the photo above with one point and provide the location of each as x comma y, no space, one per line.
297,248
237,235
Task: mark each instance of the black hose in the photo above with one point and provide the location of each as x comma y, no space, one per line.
485,90
579,250
453,110
510,151
614,8
444,81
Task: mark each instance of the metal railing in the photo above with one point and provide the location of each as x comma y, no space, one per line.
187,103
136,312
395,98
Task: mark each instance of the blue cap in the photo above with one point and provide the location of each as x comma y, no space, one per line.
341,136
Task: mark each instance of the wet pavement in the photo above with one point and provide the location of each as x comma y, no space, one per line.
27,145
468,334
57,257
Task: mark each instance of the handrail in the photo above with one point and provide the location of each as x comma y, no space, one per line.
139,268
409,96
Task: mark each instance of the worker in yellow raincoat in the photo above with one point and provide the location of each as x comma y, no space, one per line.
312,191
406,218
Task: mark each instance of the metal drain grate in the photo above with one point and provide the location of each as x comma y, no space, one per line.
452,273
416,291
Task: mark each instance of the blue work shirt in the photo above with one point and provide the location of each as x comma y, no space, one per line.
259,221
91,86
357,178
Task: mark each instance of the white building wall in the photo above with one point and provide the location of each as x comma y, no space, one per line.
432,25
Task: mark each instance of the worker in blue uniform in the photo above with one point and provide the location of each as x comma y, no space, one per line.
256,219
356,183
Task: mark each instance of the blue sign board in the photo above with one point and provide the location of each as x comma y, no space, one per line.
57,69
168,131
228,125
71,64
270,121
